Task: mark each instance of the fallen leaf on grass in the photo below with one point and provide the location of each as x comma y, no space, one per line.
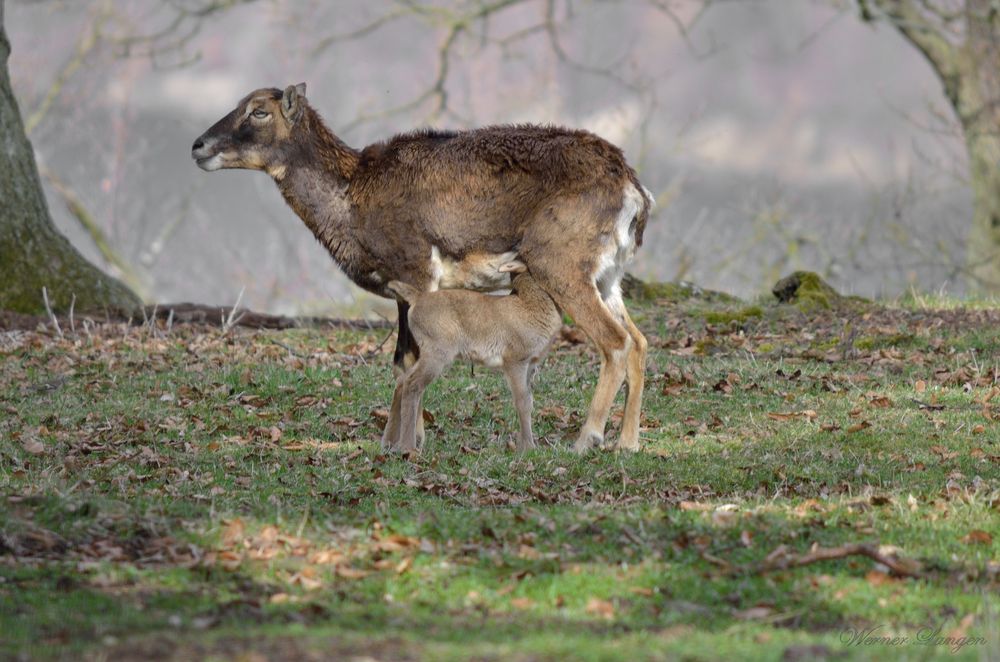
233,532
396,542
977,537
641,590
602,608
944,452
347,572
858,427
326,557
522,603
879,578
920,386
33,446
230,560
306,578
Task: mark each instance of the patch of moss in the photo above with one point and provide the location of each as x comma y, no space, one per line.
808,291
640,290
740,315
877,342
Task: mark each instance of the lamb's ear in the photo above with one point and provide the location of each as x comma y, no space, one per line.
514,267
292,100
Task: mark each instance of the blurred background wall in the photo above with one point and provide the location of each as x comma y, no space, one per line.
776,134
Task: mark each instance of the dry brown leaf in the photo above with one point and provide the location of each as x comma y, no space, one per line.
404,565
603,608
306,578
233,532
858,427
347,572
920,386
878,578
977,537
33,446
641,590
522,603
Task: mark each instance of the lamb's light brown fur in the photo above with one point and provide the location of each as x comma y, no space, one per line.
511,332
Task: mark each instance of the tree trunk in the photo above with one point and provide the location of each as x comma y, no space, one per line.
978,108
968,70
33,254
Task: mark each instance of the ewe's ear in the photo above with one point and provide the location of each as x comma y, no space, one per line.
292,100
514,267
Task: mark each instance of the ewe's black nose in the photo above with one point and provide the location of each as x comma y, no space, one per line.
198,144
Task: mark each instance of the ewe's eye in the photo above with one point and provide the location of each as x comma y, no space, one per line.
260,114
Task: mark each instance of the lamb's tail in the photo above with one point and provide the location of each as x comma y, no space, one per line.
407,293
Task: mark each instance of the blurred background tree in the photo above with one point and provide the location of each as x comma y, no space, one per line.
961,41
33,254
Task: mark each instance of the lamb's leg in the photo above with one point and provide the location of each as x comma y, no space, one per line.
406,354
416,380
518,377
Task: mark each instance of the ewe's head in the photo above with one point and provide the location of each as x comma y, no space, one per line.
255,134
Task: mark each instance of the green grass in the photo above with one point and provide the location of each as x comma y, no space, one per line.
195,495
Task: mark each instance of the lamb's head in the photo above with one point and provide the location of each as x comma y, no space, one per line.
256,134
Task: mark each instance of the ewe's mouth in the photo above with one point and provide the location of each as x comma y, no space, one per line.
209,163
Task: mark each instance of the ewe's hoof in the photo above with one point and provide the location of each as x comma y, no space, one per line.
623,444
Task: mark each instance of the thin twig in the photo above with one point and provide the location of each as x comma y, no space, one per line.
232,319
48,309
782,559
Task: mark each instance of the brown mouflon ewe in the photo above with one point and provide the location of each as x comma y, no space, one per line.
440,209
511,332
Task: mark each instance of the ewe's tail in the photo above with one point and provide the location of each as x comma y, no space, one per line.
407,293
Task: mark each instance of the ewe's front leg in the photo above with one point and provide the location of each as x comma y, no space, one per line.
406,354
390,436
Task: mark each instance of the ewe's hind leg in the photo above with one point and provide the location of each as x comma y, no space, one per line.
518,377
635,376
584,304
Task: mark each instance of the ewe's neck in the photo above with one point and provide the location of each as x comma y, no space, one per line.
313,178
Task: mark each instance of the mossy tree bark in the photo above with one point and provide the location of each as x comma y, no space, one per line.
33,254
961,41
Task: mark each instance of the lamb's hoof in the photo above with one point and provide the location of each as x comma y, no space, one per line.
586,441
